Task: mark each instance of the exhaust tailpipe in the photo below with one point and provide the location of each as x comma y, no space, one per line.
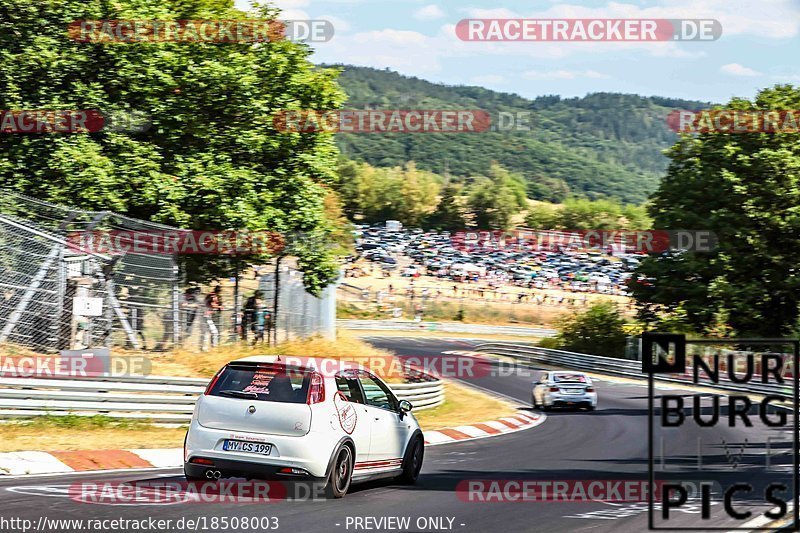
213,474
217,474
209,474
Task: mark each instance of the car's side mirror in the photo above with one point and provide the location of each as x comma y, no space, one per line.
405,406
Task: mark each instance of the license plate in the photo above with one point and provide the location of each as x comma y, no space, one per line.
243,446
572,391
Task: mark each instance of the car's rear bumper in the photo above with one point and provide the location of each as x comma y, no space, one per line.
571,399
237,468
308,452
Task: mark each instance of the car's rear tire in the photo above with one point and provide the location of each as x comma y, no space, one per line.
412,462
341,474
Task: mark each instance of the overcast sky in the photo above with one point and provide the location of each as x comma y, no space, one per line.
759,47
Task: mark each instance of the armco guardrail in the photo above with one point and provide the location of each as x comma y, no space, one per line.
533,355
153,398
445,327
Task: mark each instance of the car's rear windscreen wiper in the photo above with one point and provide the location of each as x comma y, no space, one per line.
239,394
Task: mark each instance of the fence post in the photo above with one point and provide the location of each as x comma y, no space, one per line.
176,309
235,321
123,320
30,292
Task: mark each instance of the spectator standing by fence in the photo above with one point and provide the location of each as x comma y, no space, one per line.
189,304
260,316
213,313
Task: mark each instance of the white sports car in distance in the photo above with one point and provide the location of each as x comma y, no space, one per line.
562,389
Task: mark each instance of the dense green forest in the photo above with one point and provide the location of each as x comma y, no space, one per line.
601,145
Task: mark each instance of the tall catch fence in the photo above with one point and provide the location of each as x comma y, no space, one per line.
56,295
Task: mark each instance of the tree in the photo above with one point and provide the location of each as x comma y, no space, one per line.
496,199
746,189
584,214
419,191
450,214
548,189
211,158
542,216
599,331
403,193
580,213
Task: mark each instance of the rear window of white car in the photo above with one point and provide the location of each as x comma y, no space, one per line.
264,382
569,378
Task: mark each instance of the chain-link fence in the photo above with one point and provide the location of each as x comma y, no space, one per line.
299,314
57,295
248,311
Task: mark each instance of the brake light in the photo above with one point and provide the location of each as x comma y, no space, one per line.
201,461
214,380
295,471
316,391
553,389
590,389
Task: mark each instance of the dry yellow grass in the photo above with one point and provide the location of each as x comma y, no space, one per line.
464,405
346,347
42,437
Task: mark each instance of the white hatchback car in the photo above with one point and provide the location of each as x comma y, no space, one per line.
556,389
321,420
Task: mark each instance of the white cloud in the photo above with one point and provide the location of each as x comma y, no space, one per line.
294,14
405,51
429,12
562,74
735,69
402,37
339,24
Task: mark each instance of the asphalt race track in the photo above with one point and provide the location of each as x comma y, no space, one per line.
610,443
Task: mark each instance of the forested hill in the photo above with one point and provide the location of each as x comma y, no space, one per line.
604,144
